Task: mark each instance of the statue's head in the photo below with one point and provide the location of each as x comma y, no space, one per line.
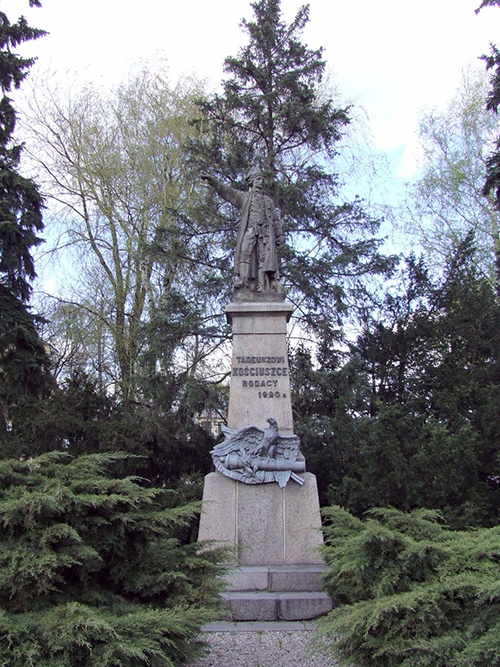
254,176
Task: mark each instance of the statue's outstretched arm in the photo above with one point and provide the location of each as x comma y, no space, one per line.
233,196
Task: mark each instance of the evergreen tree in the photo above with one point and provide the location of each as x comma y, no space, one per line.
492,184
430,434
94,568
412,593
169,445
410,417
20,203
324,391
272,113
22,356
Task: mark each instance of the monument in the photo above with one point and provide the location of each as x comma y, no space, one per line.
261,502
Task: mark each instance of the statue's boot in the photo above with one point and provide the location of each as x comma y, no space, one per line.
242,279
268,283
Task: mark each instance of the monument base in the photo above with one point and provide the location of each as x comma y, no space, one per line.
275,534
274,531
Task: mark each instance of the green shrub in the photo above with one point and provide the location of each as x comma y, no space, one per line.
411,593
92,568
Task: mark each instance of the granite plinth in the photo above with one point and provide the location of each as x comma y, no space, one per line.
264,524
260,381
252,296
278,578
271,606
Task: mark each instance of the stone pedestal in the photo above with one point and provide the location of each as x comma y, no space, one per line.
260,382
275,535
263,524
274,532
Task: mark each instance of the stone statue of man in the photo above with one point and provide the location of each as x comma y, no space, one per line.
259,234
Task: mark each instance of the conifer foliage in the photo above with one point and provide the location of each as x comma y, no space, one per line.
273,112
22,356
93,570
492,182
412,593
408,417
20,201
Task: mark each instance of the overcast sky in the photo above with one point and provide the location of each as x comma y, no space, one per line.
394,57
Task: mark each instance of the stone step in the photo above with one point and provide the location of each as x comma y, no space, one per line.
275,606
275,578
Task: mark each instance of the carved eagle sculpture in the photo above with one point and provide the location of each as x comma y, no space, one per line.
254,455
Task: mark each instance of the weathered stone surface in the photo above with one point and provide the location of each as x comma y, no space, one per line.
303,535
302,606
269,525
276,578
248,578
251,606
259,312
276,531
295,578
219,518
273,606
246,295
260,374
261,535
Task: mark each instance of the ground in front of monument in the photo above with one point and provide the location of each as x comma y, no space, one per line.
264,648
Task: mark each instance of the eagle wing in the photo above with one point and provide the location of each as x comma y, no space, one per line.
287,447
245,441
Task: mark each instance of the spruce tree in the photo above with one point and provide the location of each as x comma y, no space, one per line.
20,202
272,112
408,418
492,182
22,355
